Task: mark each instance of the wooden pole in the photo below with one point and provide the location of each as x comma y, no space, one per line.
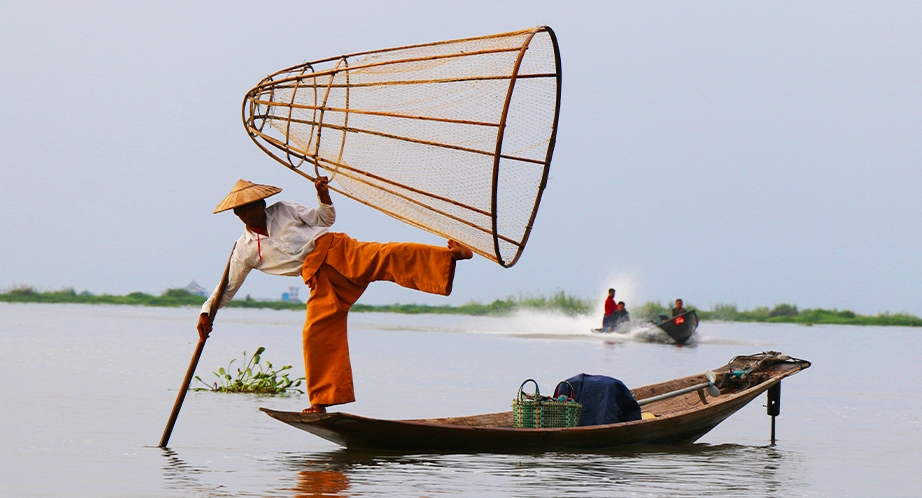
335,70
165,439
673,394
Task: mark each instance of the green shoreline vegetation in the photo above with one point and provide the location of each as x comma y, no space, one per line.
559,302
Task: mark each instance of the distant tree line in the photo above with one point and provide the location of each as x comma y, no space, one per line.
559,302
787,313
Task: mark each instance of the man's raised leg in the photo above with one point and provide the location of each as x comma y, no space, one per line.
411,265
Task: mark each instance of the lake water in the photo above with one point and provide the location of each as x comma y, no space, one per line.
87,391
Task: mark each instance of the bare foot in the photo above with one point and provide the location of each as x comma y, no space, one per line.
314,409
459,251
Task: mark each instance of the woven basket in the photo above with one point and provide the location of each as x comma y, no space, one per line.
538,412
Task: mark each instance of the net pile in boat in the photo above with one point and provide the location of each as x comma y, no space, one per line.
454,137
752,369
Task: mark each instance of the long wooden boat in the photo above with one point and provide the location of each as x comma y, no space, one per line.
676,420
681,327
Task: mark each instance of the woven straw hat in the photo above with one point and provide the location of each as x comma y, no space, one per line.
245,192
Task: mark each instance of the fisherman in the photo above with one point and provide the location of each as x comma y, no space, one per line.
610,307
289,239
678,310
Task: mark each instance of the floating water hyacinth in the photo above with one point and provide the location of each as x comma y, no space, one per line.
255,377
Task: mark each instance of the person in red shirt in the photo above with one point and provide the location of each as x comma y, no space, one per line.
610,307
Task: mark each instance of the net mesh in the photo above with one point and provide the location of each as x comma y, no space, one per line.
453,137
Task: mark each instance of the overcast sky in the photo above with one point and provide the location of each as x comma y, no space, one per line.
725,152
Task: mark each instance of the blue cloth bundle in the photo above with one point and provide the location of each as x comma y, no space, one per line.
605,400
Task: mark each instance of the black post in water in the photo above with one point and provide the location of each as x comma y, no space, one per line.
774,405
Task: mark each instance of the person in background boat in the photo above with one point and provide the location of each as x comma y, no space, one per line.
610,307
679,309
621,315
289,239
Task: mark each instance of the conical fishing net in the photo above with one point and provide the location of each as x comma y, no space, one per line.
454,137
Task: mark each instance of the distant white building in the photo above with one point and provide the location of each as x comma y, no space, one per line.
291,295
195,288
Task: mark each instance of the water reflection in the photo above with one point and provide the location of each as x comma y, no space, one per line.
325,483
694,470
179,475
323,474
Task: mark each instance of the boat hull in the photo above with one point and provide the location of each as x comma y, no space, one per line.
680,328
493,432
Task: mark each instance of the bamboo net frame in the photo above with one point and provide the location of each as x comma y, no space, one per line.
454,137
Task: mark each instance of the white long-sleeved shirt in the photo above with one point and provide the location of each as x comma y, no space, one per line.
293,230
